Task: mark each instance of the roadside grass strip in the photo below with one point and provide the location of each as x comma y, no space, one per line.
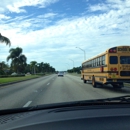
79,75
13,79
127,84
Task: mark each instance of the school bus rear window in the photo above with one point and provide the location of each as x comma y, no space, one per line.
124,59
113,60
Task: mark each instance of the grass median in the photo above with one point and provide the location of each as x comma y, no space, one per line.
14,79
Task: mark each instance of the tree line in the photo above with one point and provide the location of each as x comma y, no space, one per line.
75,70
19,63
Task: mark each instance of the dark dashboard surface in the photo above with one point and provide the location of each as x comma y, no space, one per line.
106,117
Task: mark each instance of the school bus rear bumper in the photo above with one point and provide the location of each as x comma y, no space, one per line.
115,81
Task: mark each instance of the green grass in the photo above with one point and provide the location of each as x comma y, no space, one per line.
75,74
13,79
127,84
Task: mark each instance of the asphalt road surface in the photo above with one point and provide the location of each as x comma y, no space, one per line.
53,89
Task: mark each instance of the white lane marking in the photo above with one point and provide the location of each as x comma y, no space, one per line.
48,83
27,104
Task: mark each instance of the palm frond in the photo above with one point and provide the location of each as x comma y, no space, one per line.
23,58
5,40
8,58
11,50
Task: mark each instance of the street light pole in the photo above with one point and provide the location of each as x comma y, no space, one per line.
72,61
68,65
83,51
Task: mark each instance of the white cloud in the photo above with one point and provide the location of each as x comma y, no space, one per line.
2,16
94,33
99,7
110,5
16,5
49,15
15,8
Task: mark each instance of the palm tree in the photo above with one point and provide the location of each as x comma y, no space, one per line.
28,68
18,59
46,67
5,40
40,67
34,66
4,67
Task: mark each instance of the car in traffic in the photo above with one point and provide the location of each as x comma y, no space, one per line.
61,74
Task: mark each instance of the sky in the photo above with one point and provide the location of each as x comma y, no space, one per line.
50,30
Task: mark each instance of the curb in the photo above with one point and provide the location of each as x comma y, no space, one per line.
4,84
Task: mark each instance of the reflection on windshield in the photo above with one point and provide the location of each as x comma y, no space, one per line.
125,59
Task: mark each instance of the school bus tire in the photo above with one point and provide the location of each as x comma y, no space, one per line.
84,80
94,84
120,85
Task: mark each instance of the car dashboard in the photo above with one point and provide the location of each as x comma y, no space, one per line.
101,117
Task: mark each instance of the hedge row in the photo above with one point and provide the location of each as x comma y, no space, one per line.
38,74
7,76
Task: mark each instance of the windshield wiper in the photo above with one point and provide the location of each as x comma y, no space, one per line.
115,100
121,99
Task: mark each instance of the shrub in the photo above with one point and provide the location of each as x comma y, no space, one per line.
39,74
8,76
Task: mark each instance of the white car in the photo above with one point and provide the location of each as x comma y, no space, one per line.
61,74
14,73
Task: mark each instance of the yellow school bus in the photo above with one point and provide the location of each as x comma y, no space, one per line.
111,67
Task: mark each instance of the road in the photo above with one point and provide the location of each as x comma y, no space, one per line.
53,89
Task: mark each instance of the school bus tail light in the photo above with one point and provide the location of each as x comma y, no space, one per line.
101,69
113,69
113,50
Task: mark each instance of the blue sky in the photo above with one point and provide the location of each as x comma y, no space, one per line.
50,30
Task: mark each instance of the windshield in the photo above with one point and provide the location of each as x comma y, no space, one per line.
56,51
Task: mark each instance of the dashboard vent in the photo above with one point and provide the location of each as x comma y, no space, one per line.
9,118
